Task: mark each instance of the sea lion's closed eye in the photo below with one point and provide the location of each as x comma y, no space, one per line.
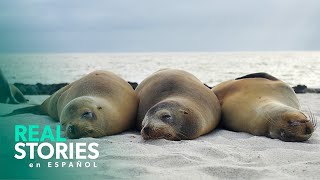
87,115
166,118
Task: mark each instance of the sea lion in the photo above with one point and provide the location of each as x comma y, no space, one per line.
9,93
99,104
263,105
175,105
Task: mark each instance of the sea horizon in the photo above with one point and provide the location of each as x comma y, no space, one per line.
293,67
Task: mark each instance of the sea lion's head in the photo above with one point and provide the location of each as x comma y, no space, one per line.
170,120
292,126
84,117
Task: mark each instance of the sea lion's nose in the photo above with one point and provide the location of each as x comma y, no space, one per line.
146,130
72,129
308,130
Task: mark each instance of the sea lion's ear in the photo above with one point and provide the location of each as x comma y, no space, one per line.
259,75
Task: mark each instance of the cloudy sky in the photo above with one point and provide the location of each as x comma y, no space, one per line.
158,25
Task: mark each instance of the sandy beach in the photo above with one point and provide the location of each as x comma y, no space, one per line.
220,154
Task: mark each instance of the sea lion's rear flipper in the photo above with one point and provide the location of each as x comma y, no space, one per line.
12,100
259,75
18,95
31,109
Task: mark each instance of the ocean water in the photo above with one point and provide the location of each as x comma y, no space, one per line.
211,68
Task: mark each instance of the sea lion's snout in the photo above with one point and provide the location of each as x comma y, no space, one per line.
157,131
309,129
72,131
297,130
306,126
145,133
75,131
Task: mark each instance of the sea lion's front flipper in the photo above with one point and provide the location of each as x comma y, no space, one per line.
30,109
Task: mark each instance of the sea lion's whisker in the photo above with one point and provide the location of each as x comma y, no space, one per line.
181,133
315,120
98,130
271,120
289,130
312,118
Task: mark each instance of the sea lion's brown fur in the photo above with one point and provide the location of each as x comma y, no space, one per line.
262,105
175,105
98,104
